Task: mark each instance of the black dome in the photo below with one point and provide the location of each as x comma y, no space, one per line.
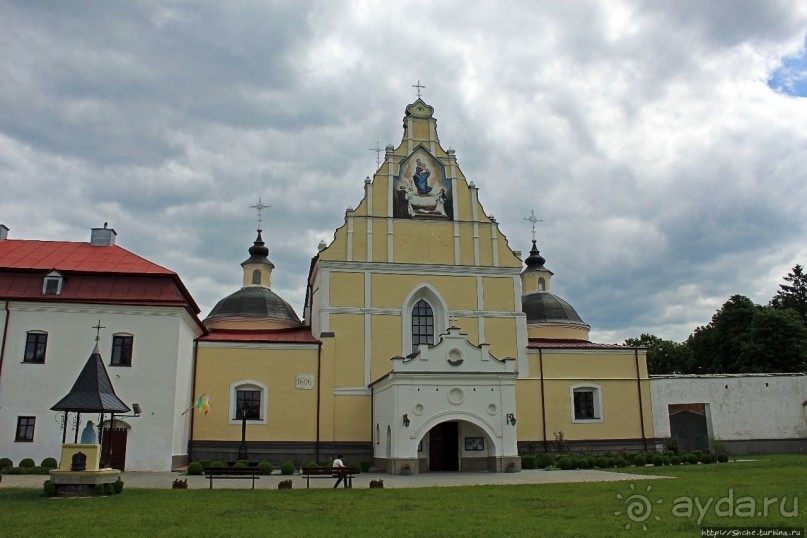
545,307
254,302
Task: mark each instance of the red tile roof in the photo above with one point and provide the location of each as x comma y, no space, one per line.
289,336
69,256
549,343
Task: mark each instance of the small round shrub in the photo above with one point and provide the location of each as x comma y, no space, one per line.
667,460
565,463
287,468
265,467
26,462
592,462
34,470
619,461
546,460
310,464
675,460
195,468
49,463
698,453
49,488
245,462
528,462
582,463
722,458
5,463
118,486
692,459
356,465
609,461
365,465
657,460
205,464
707,458
218,464
639,460
240,465
602,462
607,454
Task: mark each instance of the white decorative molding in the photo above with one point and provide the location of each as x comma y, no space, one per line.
351,391
256,345
417,268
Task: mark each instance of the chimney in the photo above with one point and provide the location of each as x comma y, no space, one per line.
102,237
3,232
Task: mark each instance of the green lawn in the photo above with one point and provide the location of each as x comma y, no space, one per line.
582,509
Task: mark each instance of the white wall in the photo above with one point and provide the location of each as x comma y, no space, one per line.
161,360
742,407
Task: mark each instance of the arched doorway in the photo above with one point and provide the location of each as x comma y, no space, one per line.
456,445
116,434
444,447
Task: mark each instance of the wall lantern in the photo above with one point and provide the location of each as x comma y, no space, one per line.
406,421
511,419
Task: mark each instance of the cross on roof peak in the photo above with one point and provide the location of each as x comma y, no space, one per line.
377,150
532,219
419,87
260,207
98,331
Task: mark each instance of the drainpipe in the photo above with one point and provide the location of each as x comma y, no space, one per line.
5,334
641,406
543,397
319,389
193,398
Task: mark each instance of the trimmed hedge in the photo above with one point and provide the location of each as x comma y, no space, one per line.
26,462
707,458
218,464
265,467
565,463
6,463
675,460
545,461
639,460
528,462
195,468
692,459
287,468
723,458
49,463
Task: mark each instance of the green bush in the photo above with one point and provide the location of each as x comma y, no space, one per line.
667,460
49,463
34,470
13,470
100,489
49,488
565,463
675,460
244,463
723,458
546,460
698,453
692,459
195,468
311,464
592,461
265,467
356,465
26,462
657,460
287,468
528,462
5,463
240,465
639,460
582,463
118,486
619,461
205,463
218,464
365,466
707,458
609,461
602,462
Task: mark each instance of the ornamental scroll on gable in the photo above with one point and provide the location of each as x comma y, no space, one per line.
422,189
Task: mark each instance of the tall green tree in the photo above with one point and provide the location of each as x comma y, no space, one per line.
793,296
744,338
664,356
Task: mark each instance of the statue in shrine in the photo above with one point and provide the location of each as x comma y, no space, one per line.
88,434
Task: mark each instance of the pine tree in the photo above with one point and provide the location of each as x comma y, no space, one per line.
793,296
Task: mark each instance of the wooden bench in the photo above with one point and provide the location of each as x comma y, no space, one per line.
329,472
233,473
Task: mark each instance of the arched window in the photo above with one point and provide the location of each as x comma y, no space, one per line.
422,324
586,400
256,276
250,397
541,284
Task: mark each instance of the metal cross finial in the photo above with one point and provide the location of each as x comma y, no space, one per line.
98,330
419,86
533,220
260,207
377,150
452,320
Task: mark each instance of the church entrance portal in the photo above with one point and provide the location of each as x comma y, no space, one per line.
444,447
117,436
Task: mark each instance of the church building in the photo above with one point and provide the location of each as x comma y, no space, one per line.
426,342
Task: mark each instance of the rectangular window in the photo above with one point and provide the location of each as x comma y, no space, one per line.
35,346
250,402
51,286
25,429
121,351
584,404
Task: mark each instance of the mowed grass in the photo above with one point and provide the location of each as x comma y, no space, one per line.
579,509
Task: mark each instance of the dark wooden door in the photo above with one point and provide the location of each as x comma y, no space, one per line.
690,429
444,447
117,459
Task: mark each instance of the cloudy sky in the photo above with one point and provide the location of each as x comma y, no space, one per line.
663,144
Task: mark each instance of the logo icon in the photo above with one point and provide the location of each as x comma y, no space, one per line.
638,507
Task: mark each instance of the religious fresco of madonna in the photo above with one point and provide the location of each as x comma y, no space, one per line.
421,188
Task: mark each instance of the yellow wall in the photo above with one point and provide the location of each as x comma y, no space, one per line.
352,418
499,294
347,289
386,343
389,291
349,349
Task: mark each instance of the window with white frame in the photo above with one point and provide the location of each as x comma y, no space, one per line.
422,324
25,429
424,316
250,397
121,350
586,403
52,285
36,342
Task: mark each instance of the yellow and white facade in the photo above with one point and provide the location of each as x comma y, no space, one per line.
425,343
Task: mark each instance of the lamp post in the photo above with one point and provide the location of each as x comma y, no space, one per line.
242,448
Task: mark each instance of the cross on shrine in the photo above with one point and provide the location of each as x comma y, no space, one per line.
377,150
452,320
260,207
419,86
533,220
98,330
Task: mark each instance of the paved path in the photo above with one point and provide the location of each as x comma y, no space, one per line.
425,480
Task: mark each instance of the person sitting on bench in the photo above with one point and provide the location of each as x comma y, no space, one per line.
338,463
